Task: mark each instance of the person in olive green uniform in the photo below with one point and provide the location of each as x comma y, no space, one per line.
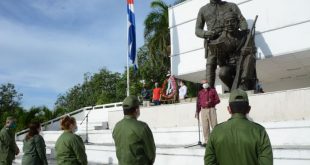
34,147
238,141
133,139
8,147
70,149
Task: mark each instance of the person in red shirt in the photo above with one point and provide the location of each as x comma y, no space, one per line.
156,94
206,101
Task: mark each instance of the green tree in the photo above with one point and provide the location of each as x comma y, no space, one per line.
9,98
157,35
149,72
25,117
72,100
103,86
154,55
59,111
156,31
39,114
98,88
154,60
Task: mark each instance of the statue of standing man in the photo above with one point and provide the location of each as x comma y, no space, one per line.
213,15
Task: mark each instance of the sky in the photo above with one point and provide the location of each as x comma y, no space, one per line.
46,46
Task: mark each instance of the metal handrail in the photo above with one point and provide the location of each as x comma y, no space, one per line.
111,105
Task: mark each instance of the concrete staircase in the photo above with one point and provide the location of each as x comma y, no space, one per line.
289,139
284,114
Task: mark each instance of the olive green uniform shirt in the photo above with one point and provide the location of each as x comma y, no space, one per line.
134,142
70,150
7,146
238,141
34,151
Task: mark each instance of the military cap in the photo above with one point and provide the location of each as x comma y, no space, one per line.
238,95
130,102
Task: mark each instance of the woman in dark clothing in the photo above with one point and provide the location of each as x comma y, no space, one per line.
34,147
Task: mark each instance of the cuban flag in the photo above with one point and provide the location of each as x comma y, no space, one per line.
132,34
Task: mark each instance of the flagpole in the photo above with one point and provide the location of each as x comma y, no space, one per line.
128,75
131,37
128,50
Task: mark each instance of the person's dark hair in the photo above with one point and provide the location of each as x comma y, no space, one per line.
239,107
33,130
129,111
66,122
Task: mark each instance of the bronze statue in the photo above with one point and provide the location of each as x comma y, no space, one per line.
225,42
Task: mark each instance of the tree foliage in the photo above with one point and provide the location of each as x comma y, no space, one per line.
10,101
149,72
154,55
157,35
98,88
9,98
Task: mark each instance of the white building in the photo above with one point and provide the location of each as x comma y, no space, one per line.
282,39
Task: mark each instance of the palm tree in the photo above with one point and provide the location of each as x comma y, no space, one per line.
156,33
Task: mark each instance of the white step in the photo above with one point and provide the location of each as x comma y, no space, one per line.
280,133
169,155
289,139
